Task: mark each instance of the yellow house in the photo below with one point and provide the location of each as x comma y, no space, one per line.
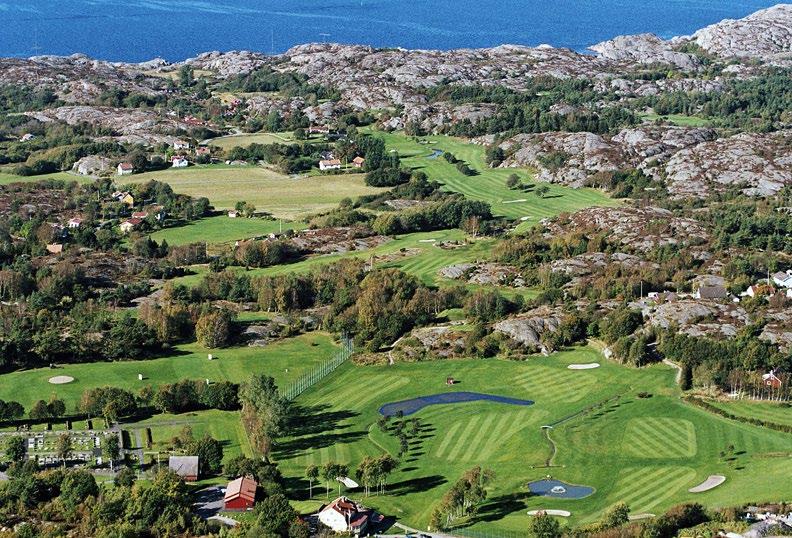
128,200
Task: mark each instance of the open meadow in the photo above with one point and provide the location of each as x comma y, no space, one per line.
7,178
624,432
280,195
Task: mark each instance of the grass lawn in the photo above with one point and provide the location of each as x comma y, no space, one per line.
222,229
769,411
222,425
244,140
280,195
677,119
6,178
490,184
646,451
188,361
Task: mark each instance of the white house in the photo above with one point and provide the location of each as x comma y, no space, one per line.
783,279
75,223
179,161
124,169
181,144
329,164
233,214
27,137
130,224
343,515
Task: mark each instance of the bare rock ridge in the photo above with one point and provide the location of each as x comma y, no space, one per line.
764,35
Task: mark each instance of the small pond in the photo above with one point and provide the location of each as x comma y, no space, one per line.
559,490
408,407
435,153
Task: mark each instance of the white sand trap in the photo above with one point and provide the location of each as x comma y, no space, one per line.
427,240
515,201
639,517
589,366
525,218
348,482
61,379
560,513
713,481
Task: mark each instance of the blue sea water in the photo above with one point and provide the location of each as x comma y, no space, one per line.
137,30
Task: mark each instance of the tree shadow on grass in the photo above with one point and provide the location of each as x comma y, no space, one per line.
294,447
496,508
316,419
415,485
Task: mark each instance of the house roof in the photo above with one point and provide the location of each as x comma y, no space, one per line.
712,292
126,166
184,465
359,160
140,214
243,487
330,162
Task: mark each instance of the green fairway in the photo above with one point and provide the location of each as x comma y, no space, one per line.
222,229
645,451
415,254
188,361
779,413
490,183
270,191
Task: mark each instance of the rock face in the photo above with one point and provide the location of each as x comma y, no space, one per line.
699,317
764,35
585,154
760,164
639,229
644,49
483,273
92,165
528,328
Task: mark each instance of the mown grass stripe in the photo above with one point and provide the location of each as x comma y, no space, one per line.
463,438
440,452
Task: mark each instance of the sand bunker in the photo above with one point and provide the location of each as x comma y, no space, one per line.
589,366
639,517
515,201
561,513
713,481
61,379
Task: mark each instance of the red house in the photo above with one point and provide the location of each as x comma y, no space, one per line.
772,380
240,494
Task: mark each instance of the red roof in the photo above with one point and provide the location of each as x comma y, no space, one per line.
126,166
140,214
243,487
134,222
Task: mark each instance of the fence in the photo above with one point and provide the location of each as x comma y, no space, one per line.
310,379
470,533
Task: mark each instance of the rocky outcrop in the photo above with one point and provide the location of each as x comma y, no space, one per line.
699,317
93,165
764,35
644,49
759,164
528,328
639,229
483,273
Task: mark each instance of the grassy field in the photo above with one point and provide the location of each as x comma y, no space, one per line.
768,411
280,195
6,178
222,229
244,140
645,451
188,361
678,119
490,184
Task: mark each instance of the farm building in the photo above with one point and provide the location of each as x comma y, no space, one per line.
124,169
344,515
130,224
179,161
240,494
184,466
330,164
